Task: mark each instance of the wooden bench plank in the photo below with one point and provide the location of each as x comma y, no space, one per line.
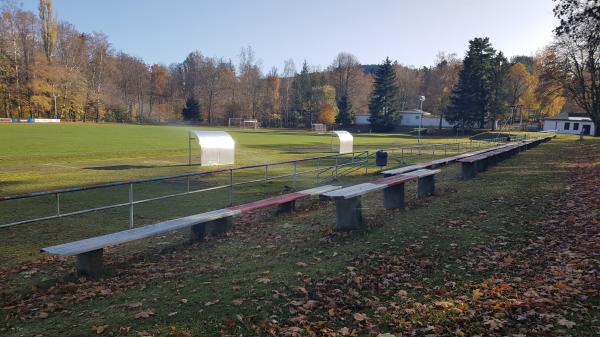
273,201
405,169
99,242
422,173
354,191
320,190
394,180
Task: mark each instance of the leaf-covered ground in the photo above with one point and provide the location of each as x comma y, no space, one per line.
513,252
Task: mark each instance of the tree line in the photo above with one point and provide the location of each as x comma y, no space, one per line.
49,69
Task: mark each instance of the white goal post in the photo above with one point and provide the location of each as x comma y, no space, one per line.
235,122
250,124
319,128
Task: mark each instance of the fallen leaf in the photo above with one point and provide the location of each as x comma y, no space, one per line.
145,313
99,329
566,322
359,317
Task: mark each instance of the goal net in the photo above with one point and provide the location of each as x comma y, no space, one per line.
319,128
235,122
250,124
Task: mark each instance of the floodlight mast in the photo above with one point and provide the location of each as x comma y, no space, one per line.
422,99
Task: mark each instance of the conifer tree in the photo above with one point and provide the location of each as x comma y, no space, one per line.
345,114
191,111
480,86
383,106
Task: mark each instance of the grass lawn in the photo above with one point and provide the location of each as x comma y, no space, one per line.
49,156
38,157
434,268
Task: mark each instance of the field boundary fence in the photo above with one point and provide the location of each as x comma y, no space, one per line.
292,174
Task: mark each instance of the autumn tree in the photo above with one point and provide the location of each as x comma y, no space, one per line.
438,82
49,27
575,63
383,105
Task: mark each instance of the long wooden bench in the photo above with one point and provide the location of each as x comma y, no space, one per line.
348,200
438,162
474,164
89,252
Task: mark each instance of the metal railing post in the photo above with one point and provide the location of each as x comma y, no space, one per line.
230,187
318,168
130,205
336,165
294,177
366,162
266,172
57,204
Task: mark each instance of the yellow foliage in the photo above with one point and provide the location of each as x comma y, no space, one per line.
327,114
44,103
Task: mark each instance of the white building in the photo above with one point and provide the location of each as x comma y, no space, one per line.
570,123
411,119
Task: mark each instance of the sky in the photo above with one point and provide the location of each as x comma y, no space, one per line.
412,32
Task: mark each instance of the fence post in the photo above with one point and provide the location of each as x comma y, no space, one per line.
336,165
230,187
57,204
266,172
188,183
366,162
318,169
294,177
130,206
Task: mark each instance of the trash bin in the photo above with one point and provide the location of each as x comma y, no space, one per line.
381,158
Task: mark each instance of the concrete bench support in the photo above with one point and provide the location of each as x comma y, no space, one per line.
90,263
468,170
348,213
426,186
287,207
393,196
197,232
218,227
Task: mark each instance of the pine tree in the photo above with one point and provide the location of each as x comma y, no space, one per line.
191,111
383,106
345,115
480,86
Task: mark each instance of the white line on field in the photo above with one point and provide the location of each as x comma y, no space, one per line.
61,166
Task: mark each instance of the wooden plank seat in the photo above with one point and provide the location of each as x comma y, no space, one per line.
439,162
472,165
89,251
348,200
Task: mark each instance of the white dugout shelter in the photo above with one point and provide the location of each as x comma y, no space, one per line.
346,141
216,148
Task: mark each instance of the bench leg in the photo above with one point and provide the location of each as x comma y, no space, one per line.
393,197
218,227
348,213
288,207
198,232
90,264
481,165
425,186
468,170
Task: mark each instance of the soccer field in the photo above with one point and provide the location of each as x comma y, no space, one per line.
37,157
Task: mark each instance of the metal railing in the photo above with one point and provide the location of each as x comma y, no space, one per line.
318,169
325,168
